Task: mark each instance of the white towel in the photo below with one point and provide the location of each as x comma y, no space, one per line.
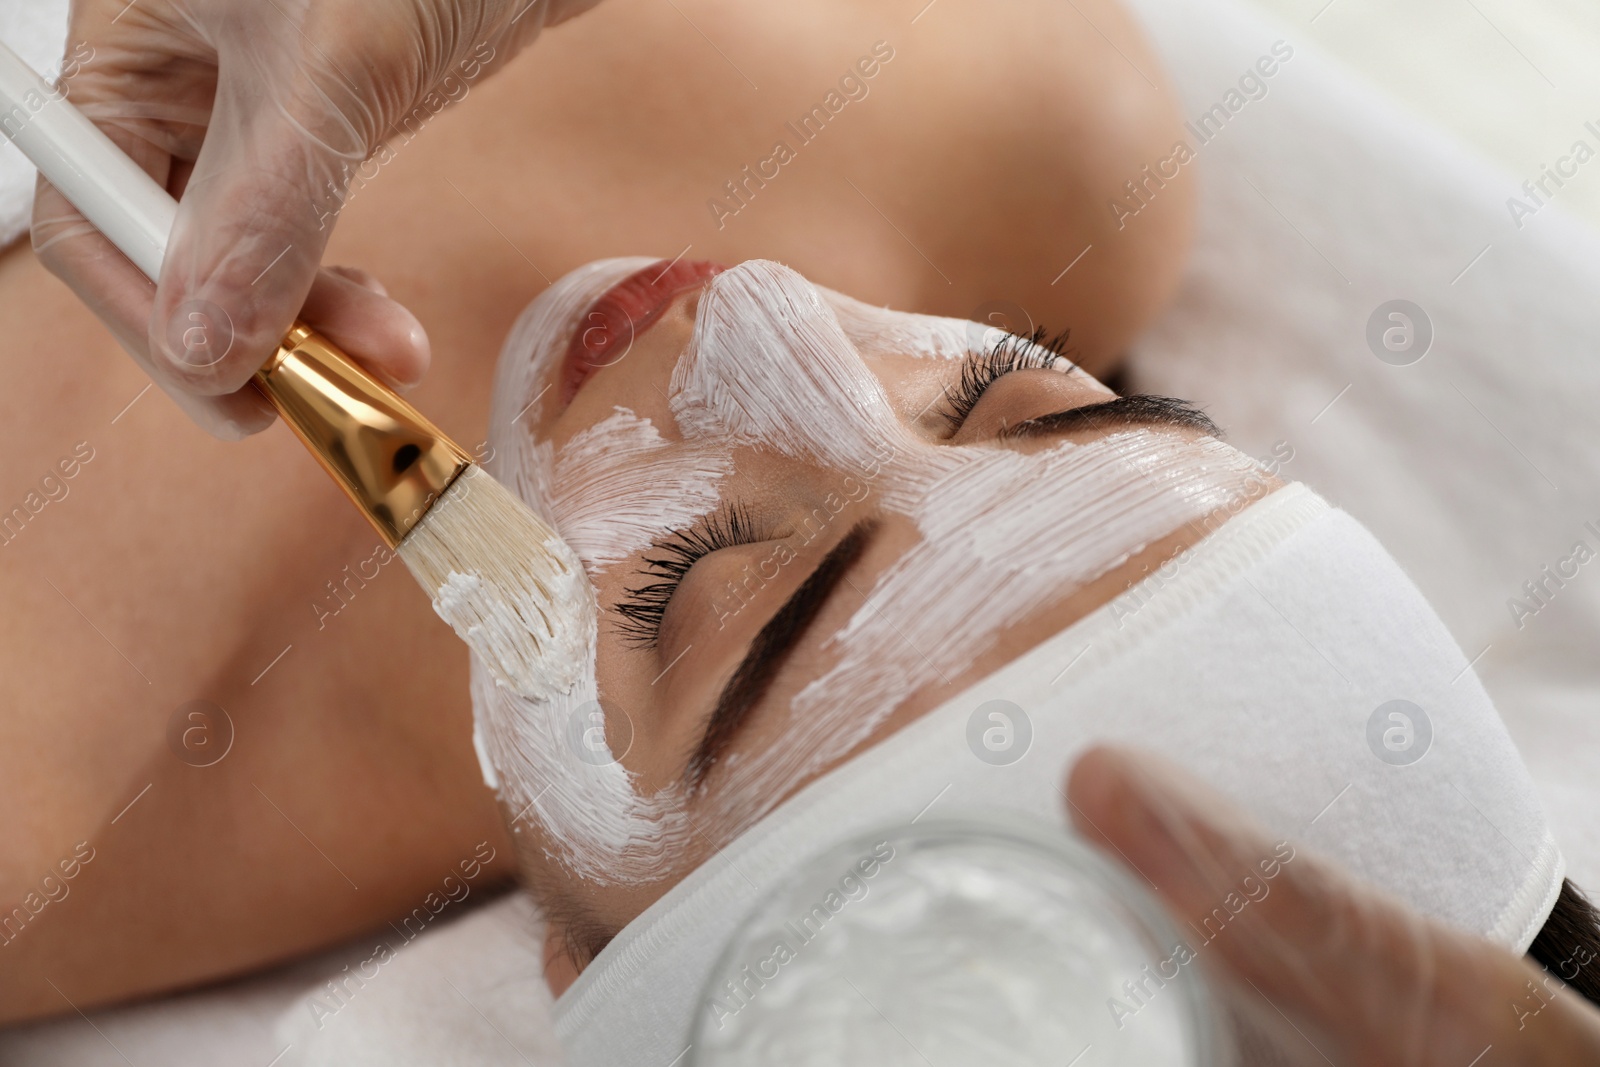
471,993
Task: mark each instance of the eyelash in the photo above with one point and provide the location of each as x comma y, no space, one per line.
1011,352
643,607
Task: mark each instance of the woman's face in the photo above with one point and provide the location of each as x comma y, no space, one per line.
807,522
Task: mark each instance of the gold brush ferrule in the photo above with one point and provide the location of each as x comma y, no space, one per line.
389,459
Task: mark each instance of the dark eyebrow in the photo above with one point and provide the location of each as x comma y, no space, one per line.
1141,409
771,646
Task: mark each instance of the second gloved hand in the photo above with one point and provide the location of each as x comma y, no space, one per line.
258,114
1356,977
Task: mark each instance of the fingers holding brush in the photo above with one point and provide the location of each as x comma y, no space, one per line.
256,117
196,351
347,304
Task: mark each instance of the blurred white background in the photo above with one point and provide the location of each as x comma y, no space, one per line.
1516,79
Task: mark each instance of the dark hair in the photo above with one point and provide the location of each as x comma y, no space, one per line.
1569,945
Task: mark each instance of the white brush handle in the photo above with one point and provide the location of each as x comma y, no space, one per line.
86,166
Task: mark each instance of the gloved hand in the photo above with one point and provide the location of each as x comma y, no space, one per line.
259,113
1362,978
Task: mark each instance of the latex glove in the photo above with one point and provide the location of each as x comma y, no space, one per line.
259,113
1362,978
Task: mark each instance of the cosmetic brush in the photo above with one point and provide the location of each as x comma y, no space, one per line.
497,573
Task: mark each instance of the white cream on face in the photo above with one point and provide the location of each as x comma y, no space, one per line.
776,363
875,329
770,365
544,753
1004,532
617,487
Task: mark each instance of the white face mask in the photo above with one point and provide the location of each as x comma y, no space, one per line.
779,364
1267,659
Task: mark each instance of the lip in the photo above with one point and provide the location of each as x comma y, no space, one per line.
607,330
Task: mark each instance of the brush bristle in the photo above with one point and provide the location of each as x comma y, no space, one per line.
506,583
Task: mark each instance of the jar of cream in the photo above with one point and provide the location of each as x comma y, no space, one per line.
982,940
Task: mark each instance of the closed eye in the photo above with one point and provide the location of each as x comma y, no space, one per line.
668,562
1011,352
